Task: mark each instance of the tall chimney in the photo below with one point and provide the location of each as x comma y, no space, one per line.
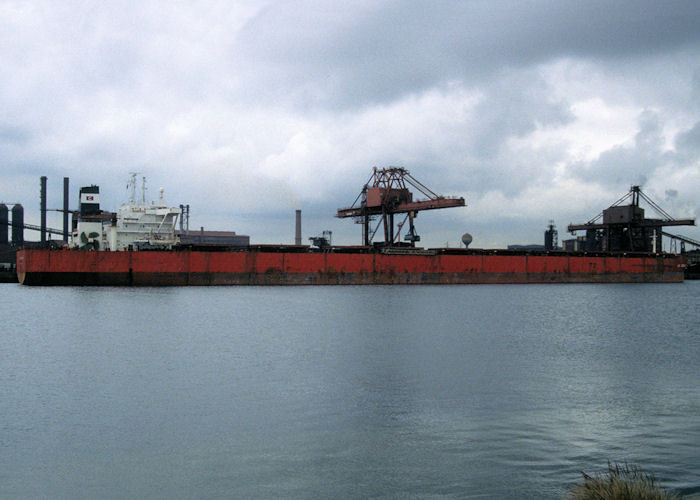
4,223
65,209
297,236
18,224
42,195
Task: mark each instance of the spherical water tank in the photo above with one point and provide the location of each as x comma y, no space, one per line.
466,239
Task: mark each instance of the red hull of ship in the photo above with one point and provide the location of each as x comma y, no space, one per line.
348,267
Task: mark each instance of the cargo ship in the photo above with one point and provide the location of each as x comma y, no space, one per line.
139,246
338,266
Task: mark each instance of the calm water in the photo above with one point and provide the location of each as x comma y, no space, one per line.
482,391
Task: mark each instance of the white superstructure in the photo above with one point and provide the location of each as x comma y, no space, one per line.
137,225
141,224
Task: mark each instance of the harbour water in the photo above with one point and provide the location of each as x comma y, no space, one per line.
488,391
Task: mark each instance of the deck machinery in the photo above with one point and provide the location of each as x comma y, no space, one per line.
625,228
387,194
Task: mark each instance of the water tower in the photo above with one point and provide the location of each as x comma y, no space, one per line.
466,239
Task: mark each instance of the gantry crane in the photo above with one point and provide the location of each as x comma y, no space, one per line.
624,227
386,194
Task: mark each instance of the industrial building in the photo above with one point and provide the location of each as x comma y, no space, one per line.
222,238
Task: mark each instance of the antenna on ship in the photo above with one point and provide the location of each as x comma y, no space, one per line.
131,187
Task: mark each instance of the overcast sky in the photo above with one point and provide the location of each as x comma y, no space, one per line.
531,110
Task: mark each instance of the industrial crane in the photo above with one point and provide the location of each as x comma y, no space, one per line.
386,194
624,227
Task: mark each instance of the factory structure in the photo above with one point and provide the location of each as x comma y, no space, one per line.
16,224
12,227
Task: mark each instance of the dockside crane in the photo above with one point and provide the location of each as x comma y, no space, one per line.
387,194
623,227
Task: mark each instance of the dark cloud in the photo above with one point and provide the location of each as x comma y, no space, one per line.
513,106
311,54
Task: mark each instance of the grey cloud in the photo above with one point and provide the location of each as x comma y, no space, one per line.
313,55
622,164
687,154
514,106
481,159
695,92
649,136
473,153
17,136
648,157
688,142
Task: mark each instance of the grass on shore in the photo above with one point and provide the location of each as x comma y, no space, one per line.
620,482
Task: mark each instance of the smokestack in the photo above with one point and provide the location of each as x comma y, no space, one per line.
297,236
4,223
42,195
65,209
18,224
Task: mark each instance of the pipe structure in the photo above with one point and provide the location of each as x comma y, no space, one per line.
42,195
65,209
297,234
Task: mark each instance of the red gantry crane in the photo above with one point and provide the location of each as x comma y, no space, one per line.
387,194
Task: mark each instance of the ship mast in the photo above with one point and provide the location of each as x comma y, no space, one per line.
131,187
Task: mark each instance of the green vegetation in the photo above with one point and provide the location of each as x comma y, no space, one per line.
620,482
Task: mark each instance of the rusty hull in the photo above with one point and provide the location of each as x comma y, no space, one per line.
343,266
